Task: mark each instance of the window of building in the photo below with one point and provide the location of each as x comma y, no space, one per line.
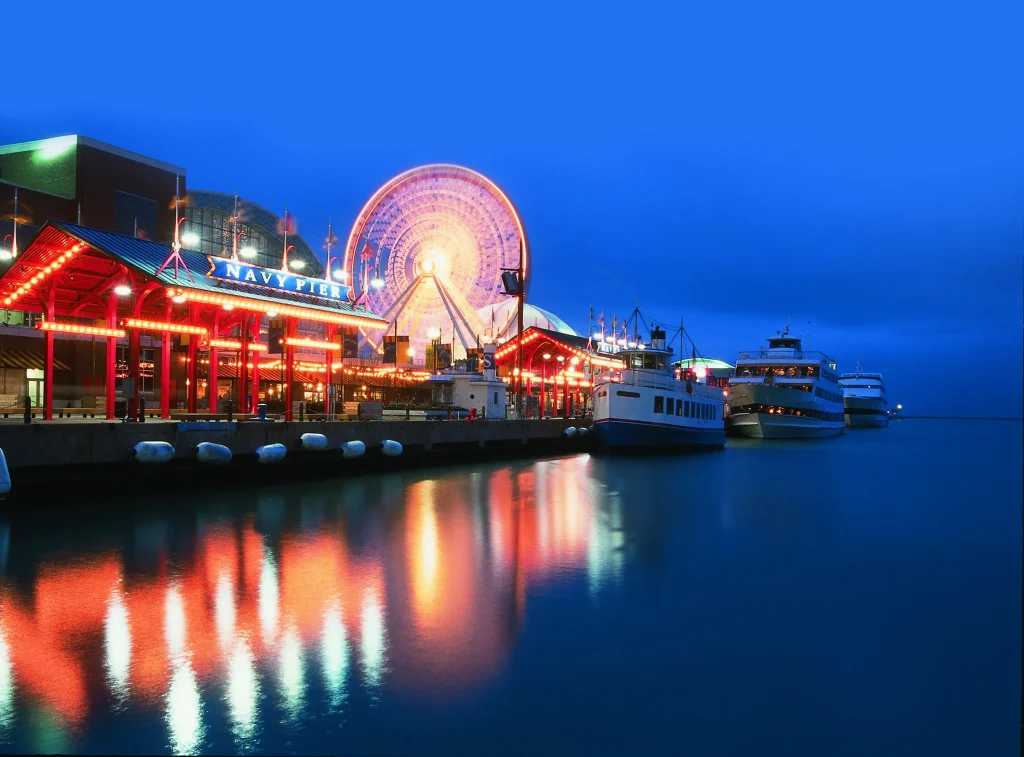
659,404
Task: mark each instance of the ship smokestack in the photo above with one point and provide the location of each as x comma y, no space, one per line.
657,339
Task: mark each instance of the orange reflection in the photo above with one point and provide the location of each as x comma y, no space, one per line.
72,598
40,663
439,597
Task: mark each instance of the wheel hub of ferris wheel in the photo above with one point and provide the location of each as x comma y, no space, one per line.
427,251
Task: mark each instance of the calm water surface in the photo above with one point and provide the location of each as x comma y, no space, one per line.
852,596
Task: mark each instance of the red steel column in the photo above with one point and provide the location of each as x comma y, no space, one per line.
211,384
257,336
328,365
289,370
243,369
565,398
165,369
255,382
192,388
111,354
48,377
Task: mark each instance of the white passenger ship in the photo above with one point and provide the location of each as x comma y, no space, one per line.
864,400
647,406
784,392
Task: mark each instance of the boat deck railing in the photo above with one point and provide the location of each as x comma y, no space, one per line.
784,354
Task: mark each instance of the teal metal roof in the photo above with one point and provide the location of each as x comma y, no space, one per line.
710,363
146,257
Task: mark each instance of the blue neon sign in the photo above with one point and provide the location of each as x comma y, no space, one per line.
226,269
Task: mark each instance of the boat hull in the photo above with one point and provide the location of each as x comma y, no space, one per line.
766,425
622,435
865,412
770,426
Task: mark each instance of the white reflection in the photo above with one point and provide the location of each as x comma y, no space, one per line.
373,641
243,690
117,644
224,610
6,683
334,653
268,610
605,547
174,622
292,684
184,709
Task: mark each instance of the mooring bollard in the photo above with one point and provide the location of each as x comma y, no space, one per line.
231,406
142,409
28,409
261,411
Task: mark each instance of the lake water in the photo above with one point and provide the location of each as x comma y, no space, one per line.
859,595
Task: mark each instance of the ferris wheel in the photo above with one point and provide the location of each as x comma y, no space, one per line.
427,251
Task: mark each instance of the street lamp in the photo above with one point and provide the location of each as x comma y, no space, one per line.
234,244
376,282
248,252
122,290
338,275
191,239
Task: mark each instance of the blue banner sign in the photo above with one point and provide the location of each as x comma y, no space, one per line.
226,269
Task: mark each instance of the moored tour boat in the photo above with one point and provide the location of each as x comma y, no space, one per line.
783,392
648,406
864,400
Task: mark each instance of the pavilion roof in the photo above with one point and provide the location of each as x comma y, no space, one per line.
535,337
145,258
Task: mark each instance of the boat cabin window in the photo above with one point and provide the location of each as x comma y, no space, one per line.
679,407
628,394
784,344
670,406
646,361
659,404
686,409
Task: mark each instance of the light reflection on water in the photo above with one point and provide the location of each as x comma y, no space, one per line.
567,606
408,584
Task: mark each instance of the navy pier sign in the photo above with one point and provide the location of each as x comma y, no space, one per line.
226,269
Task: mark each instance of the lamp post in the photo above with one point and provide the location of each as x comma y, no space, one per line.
340,275
234,244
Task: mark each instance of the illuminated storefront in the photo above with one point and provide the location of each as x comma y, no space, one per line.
150,313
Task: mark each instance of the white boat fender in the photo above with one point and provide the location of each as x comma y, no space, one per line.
215,454
5,476
153,452
313,442
569,433
353,449
271,453
390,448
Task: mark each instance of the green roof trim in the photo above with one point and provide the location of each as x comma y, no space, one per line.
710,363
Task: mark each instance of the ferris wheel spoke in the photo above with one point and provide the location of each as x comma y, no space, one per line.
444,220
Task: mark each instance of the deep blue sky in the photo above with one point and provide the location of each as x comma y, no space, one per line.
862,167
